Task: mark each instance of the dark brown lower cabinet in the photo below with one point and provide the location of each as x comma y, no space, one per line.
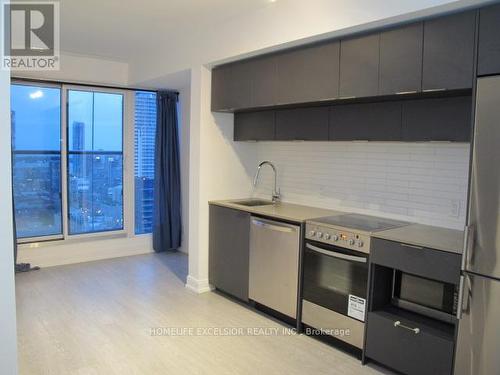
305,124
366,121
438,119
254,126
229,236
392,341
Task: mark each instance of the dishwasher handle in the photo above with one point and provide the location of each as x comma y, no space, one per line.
336,255
272,225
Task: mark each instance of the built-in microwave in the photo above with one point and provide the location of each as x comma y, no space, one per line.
435,299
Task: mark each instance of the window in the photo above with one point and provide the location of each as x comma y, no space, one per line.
68,161
36,160
95,161
144,145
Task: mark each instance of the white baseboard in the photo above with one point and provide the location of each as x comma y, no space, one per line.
198,286
56,253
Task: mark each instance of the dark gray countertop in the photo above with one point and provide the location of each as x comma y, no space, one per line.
283,210
414,234
427,236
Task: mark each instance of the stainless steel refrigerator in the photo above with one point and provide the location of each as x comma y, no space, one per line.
478,346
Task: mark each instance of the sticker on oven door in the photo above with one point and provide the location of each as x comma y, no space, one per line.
356,307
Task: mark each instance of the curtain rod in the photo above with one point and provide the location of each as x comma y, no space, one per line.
26,79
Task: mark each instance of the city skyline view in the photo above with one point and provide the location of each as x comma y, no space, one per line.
95,161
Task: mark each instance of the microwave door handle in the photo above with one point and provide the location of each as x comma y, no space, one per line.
336,255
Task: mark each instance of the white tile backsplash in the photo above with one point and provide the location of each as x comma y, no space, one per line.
419,182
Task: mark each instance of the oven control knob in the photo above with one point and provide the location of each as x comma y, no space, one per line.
327,236
312,233
335,238
351,242
359,243
319,235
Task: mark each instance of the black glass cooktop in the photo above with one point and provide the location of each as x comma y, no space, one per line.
361,222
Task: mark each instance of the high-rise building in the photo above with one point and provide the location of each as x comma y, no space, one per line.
145,133
78,139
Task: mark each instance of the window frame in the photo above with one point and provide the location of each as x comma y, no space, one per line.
128,125
55,85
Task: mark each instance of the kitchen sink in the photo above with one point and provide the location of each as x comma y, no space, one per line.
254,202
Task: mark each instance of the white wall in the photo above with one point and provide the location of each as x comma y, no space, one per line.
418,182
84,69
8,338
219,168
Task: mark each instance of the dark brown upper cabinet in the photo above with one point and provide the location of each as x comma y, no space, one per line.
359,66
254,126
366,122
231,87
401,60
448,57
305,124
489,41
220,77
309,74
263,81
439,119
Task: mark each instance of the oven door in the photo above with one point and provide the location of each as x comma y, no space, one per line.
336,279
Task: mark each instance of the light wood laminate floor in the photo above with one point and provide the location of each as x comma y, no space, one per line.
96,318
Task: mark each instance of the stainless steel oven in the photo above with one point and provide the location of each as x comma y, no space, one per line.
335,273
334,290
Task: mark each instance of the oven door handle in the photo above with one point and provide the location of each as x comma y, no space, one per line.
336,255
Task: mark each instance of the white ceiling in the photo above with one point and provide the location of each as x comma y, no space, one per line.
122,29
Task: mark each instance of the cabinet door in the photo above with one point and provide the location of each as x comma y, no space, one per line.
229,234
366,121
308,74
401,60
449,52
220,79
254,126
394,345
359,64
489,42
231,87
263,81
307,124
441,119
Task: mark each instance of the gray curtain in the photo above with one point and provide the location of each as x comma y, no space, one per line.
167,227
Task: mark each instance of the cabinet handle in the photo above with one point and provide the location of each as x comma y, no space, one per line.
412,246
406,92
397,323
433,90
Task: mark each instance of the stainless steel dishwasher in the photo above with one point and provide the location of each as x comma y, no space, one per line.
274,265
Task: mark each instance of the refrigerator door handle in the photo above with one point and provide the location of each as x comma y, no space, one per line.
460,298
468,246
464,294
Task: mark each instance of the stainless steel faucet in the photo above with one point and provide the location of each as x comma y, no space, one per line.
276,192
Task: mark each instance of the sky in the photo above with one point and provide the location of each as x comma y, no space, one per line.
38,123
